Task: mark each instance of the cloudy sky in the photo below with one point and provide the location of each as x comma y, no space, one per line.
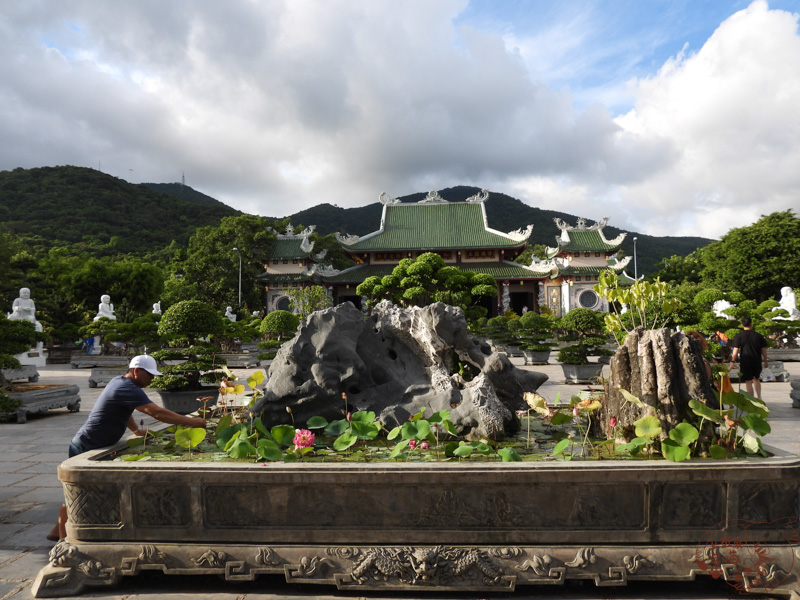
672,117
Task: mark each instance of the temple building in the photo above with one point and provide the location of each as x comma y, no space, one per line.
290,264
459,232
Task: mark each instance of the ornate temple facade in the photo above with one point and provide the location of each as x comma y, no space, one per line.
290,264
459,232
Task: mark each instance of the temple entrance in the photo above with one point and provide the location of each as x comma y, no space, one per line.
520,300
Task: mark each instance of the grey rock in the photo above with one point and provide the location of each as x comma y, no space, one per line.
395,363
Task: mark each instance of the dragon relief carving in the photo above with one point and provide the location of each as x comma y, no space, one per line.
64,554
425,566
211,558
636,563
267,556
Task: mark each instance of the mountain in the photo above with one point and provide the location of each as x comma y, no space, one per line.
505,214
54,206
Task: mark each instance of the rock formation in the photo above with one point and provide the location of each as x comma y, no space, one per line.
395,363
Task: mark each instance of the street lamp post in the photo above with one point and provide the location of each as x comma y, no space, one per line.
240,276
635,268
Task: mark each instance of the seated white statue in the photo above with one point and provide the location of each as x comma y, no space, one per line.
105,309
789,304
157,308
721,305
23,308
229,314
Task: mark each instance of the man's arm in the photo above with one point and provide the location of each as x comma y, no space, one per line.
167,416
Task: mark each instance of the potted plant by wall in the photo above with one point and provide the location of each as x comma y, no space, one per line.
536,335
584,329
186,326
18,400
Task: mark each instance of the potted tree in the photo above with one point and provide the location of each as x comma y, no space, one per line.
537,343
584,329
20,400
187,326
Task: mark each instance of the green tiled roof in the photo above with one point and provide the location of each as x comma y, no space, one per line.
447,226
503,270
498,270
588,270
587,241
359,273
287,249
283,277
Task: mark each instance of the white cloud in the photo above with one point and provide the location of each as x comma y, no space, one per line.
276,106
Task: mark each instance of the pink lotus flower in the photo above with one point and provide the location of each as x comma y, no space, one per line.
303,438
612,422
575,411
412,444
424,445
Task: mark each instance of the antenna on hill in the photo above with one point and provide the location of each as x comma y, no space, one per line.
183,179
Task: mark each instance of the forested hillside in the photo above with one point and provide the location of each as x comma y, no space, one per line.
55,206
505,214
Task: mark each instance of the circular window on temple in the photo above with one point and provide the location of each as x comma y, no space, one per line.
284,303
588,299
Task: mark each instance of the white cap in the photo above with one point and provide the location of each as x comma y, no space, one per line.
148,363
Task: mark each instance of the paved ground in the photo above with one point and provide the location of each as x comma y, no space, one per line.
30,495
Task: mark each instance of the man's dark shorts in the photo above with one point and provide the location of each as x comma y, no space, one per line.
750,371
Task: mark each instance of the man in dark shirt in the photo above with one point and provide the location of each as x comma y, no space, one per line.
750,348
113,413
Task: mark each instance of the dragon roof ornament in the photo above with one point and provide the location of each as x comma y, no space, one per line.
433,197
347,239
548,266
323,270
290,235
385,199
619,265
520,235
481,196
581,225
321,254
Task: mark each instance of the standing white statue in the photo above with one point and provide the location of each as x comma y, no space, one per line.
789,304
157,308
23,308
719,306
229,314
105,309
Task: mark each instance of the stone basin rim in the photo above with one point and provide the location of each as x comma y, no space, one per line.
93,460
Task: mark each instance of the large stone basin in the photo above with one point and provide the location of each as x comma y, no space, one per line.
430,526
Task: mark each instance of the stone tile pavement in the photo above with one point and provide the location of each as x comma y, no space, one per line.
30,495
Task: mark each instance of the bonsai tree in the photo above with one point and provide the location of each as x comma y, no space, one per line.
279,323
186,323
537,331
583,327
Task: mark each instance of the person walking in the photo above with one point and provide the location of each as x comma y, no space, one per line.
113,413
750,348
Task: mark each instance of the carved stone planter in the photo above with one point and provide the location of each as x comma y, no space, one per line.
439,527
536,358
105,374
184,402
88,361
27,373
783,354
581,373
47,398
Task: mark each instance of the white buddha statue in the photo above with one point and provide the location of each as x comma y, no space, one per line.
721,305
789,304
105,309
229,314
157,308
23,308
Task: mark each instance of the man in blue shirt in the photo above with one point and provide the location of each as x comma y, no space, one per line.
113,413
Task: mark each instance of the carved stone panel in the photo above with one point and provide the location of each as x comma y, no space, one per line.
162,506
692,505
93,504
764,502
237,506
